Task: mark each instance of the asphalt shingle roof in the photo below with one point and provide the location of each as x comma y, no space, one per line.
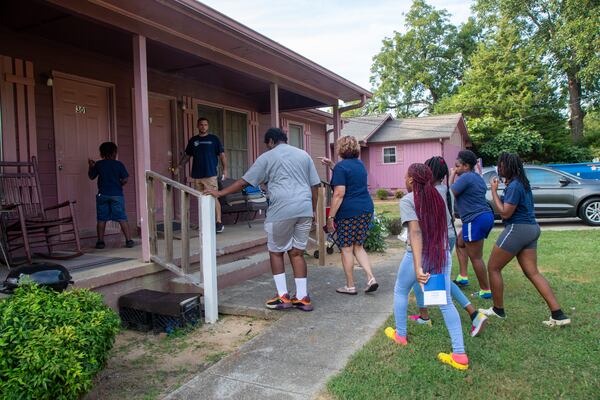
409,129
362,127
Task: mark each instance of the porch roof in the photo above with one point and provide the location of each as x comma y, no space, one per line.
200,31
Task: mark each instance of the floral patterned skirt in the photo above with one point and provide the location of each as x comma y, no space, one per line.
353,230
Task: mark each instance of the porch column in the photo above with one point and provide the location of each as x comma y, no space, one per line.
337,126
274,105
142,136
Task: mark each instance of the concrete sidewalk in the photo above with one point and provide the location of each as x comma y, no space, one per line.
296,356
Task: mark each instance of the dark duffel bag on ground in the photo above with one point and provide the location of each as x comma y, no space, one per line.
50,275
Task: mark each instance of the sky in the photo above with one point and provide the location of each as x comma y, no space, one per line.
340,35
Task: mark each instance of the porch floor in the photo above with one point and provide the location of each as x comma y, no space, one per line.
95,263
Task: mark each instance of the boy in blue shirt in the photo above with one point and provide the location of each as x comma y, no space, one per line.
110,202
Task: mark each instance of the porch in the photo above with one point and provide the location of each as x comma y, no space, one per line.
74,74
241,254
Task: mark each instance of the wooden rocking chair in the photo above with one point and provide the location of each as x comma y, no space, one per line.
26,222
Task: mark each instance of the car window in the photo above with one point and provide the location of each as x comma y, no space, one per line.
488,175
542,177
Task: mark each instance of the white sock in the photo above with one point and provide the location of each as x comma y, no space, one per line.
301,288
280,283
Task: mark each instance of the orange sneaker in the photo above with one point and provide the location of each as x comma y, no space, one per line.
279,302
303,304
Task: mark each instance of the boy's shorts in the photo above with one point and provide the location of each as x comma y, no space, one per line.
110,208
479,228
284,235
203,184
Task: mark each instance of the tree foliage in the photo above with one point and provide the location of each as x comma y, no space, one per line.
507,98
567,32
415,69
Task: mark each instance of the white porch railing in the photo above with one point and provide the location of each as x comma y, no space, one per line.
207,237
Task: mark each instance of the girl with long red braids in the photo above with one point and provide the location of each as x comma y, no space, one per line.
423,211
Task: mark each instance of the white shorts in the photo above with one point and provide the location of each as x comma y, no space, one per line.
284,235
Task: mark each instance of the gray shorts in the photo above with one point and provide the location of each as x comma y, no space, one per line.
517,237
284,235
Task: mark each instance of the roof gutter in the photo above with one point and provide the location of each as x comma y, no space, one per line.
363,100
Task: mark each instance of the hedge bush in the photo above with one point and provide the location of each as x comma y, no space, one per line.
52,344
382,194
399,193
375,241
394,226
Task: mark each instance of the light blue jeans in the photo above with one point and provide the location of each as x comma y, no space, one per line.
455,291
404,283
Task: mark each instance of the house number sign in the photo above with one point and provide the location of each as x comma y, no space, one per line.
80,109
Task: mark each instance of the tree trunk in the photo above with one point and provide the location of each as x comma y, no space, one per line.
575,111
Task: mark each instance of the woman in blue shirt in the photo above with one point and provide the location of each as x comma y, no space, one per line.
475,213
351,211
519,238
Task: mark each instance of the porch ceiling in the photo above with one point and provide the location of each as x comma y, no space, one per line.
195,28
38,18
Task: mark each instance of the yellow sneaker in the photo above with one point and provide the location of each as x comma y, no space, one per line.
458,361
392,334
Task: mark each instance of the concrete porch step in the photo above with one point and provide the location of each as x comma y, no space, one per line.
228,274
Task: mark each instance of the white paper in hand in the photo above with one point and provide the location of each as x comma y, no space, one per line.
434,291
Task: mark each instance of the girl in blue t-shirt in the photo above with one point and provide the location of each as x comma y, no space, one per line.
476,215
519,238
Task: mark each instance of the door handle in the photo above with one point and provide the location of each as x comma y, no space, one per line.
60,167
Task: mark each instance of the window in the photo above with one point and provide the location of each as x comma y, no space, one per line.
232,128
295,136
236,143
541,177
389,155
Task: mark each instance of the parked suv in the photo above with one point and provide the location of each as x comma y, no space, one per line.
557,194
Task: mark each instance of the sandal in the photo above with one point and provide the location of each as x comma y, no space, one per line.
347,290
372,286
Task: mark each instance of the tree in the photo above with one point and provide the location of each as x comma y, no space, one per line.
568,34
414,70
508,99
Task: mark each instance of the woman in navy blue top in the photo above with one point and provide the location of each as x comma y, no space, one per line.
519,238
476,216
351,210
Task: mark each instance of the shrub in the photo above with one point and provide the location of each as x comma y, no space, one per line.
399,193
394,226
375,241
52,344
382,194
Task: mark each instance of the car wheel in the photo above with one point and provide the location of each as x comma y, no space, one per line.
590,211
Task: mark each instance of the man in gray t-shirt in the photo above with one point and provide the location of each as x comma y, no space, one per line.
292,181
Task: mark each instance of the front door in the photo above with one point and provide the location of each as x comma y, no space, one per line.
161,150
82,123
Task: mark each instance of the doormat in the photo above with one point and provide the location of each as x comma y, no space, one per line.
88,261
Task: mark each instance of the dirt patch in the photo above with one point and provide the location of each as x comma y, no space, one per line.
148,366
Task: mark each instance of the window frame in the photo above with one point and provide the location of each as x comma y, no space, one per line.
383,149
302,129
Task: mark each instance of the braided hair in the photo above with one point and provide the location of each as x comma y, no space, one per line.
431,212
439,171
510,166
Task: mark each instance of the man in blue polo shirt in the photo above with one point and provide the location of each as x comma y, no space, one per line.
205,149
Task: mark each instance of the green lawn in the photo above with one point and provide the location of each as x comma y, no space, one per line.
518,358
391,208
